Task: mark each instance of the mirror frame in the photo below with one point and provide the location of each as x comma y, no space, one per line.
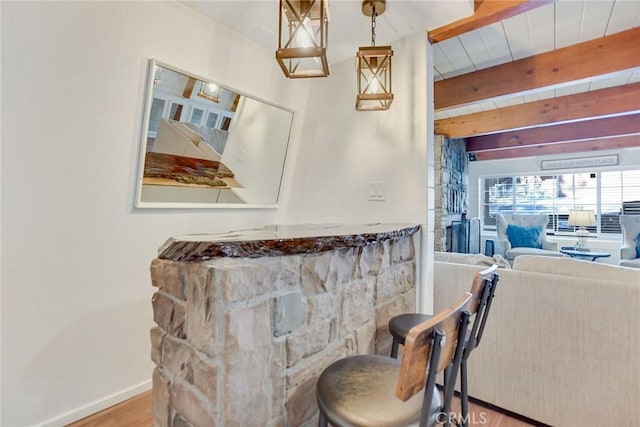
148,100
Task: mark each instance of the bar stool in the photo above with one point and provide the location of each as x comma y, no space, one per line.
483,290
377,391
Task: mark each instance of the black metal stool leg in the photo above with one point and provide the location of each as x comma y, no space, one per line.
445,383
394,348
464,397
322,420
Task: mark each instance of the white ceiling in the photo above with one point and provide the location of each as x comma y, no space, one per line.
348,27
543,29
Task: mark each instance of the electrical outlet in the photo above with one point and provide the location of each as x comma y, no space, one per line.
376,191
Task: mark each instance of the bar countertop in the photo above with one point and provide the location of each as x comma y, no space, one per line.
279,240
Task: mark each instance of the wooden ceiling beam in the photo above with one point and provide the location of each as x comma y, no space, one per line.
567,132
618,100
487,12
561,148
603,56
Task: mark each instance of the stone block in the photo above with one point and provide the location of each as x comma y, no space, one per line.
313,366
205,376
342,268
265,275
402,250
184,364
401,304
386,259
167,275
169,314
246,382
277,422
365,337
157,335
290,312
203,307
314,272
311,422
383,344
160,399
333,330
307,341
394,281
278,379
176,359
322,307
197,411
350,345
301,402
371,259
178,421
409,301
357,306
301,385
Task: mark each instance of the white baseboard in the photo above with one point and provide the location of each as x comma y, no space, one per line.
96,406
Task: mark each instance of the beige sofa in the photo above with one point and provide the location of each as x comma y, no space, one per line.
562,343
178,139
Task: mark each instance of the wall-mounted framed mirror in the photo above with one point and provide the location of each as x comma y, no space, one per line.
206,145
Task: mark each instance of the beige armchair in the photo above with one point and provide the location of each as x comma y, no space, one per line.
630,225
514,242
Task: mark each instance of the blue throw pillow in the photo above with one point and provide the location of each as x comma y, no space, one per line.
524,237
638,246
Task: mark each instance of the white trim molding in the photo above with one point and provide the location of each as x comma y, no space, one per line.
96,406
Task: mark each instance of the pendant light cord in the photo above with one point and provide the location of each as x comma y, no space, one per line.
373,27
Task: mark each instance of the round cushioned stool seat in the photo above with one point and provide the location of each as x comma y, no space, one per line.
400,325
360,391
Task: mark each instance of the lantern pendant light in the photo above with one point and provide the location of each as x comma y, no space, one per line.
302,38
373,66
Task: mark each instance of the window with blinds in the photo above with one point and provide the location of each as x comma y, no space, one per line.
196,116
608,194
157,109
212,120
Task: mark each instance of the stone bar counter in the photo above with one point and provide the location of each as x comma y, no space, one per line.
246,321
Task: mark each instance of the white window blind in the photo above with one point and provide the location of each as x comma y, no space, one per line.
608,194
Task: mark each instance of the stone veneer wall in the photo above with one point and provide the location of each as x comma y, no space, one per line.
452,184
241,342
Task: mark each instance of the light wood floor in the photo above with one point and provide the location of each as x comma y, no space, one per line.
136,412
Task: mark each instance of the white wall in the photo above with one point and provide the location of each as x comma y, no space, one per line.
76,291
344,150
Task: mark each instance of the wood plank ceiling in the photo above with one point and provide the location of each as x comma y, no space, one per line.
544,78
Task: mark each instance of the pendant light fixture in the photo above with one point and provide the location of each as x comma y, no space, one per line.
373,66
302,38
210,91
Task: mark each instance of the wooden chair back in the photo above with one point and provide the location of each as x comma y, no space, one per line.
483,289
432,343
